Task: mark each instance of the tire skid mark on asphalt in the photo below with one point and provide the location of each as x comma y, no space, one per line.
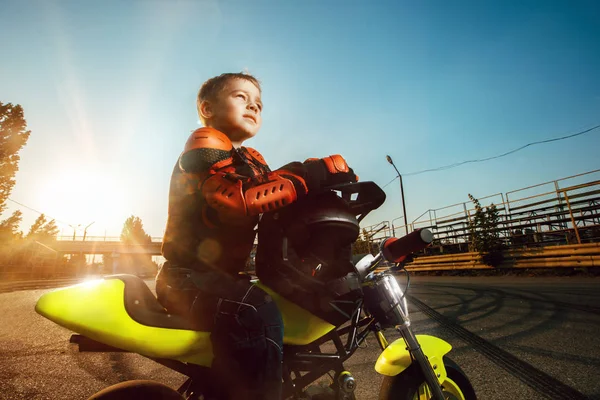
464,300
589,361
555,303
489,307
548,302
543,383
563,305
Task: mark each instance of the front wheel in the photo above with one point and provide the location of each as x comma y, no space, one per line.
410,384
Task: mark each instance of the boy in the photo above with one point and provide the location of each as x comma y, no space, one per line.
218,190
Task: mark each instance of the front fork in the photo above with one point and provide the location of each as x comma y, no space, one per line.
416,352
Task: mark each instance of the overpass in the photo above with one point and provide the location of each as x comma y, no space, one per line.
105,247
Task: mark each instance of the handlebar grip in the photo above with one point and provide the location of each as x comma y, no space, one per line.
396,249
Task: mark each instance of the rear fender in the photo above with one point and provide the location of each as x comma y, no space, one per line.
96,310
396,358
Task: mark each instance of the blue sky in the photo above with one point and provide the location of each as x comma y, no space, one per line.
109,88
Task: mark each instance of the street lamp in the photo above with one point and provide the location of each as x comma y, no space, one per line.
85,230
389,159
74,229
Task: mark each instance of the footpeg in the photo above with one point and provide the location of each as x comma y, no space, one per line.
347,384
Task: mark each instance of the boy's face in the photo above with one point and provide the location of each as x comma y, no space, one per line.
236,111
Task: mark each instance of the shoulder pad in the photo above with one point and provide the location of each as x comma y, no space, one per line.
205,148
208,138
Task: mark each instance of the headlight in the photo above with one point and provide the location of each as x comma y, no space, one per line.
384,300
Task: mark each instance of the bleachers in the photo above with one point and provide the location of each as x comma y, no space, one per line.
565,211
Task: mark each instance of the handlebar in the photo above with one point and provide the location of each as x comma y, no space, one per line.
397,249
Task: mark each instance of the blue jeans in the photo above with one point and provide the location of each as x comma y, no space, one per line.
245,324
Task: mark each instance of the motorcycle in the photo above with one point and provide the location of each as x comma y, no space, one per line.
120,313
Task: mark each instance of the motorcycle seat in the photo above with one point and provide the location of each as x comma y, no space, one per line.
143,307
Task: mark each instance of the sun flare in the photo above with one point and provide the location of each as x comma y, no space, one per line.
78,198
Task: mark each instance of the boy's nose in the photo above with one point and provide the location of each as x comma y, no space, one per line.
253,106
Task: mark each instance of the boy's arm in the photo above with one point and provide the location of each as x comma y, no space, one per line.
209,153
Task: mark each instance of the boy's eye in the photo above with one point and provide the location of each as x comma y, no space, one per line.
241,96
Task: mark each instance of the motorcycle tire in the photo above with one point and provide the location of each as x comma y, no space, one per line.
137,389
410,384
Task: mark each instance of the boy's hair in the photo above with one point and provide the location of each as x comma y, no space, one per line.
212,87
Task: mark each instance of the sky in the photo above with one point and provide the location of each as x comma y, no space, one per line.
109,87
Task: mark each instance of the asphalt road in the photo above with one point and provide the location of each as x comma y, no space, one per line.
515,338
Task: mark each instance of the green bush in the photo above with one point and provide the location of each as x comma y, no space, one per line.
484,233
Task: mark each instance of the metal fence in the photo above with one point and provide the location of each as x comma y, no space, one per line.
560,212
87,238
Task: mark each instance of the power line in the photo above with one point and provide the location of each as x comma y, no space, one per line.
39,212
494,157
412,173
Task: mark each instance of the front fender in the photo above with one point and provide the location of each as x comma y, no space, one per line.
396,358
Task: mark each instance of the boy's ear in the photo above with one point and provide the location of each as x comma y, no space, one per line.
205,109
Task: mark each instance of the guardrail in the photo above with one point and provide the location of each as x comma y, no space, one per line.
39,284
95,238
568,256
48,283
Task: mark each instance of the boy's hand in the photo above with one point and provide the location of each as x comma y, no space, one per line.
328,171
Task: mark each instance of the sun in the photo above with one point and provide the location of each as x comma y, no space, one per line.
77,198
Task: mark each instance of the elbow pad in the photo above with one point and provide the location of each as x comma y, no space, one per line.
228,197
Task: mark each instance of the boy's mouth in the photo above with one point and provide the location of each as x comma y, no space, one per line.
250,117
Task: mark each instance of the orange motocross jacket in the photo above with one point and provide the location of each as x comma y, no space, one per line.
217,193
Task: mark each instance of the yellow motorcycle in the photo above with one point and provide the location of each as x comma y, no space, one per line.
120,313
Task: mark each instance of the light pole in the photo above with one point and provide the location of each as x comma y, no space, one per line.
389,159
74,229
85,230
